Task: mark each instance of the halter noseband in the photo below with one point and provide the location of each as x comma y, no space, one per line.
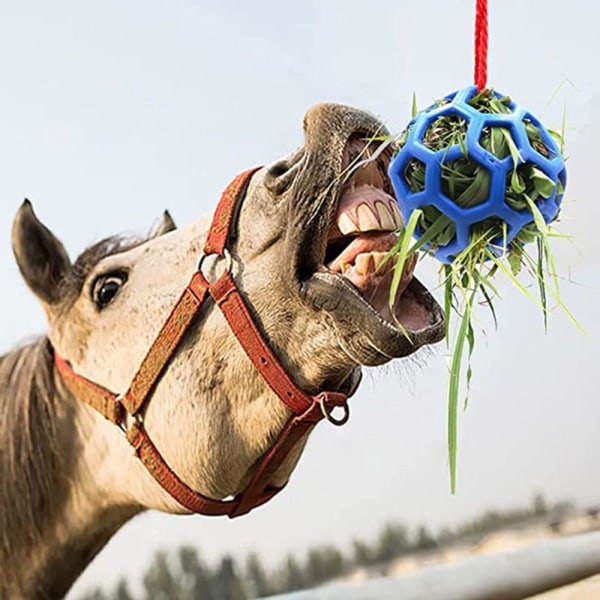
126,410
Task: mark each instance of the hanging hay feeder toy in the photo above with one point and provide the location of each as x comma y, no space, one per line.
475,164
478,178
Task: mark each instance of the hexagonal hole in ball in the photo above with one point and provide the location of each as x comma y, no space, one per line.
535,139
430,215
496,141
492,103
491,233
446,131
414,175
466,182
527,183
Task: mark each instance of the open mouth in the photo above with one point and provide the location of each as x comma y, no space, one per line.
362,232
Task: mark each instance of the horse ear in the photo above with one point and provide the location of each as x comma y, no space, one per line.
165,225
41,257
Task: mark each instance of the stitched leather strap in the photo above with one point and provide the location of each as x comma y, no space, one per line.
166,342
194,501
306,410
220,228
295,429
231,303
99,398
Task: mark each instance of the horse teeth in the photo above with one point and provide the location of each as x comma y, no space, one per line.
378,258
396,215
363,263
346,225
385,217
378,215
367,220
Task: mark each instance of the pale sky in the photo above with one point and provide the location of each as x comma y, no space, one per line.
113,110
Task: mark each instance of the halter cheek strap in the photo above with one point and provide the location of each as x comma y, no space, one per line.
306,411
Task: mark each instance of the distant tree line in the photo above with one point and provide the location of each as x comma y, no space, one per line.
183,575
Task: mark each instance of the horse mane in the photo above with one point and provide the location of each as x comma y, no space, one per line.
30,457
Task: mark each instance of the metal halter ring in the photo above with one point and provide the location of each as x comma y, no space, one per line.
128,418
329,414
226,254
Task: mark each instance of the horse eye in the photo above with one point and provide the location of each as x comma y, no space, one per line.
106,288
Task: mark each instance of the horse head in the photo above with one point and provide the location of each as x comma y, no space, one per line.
306,248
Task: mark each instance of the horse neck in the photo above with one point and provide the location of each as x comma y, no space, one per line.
55,514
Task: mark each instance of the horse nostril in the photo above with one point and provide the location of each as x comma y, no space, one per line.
278,169
275,181
280,176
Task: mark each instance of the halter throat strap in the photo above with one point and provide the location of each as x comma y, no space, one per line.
126,410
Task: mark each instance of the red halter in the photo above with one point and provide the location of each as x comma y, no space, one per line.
306,411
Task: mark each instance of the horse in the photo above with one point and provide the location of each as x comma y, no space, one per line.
297,251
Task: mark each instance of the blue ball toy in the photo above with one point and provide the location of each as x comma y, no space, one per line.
543,159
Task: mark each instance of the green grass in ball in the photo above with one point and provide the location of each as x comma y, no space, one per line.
470,276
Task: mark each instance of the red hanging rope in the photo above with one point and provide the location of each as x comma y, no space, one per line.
481,43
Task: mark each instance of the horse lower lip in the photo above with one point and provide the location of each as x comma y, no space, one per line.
416,310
